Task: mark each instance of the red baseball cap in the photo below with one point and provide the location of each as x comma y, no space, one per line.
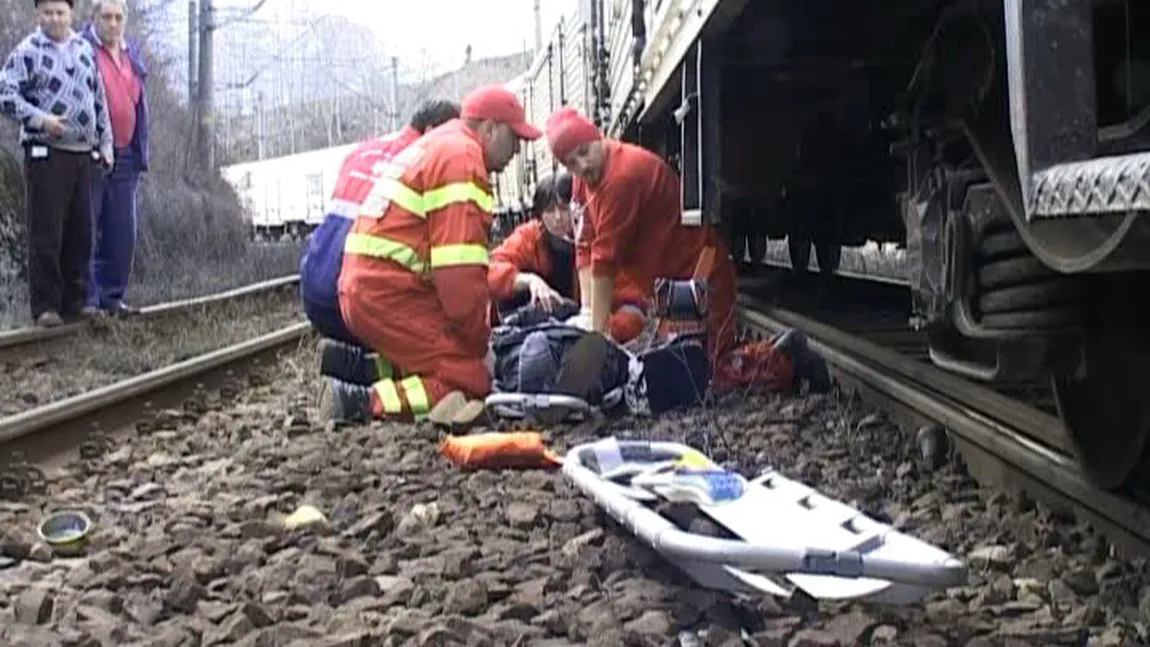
499,104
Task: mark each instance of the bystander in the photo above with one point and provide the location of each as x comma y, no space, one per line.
51,86
114,197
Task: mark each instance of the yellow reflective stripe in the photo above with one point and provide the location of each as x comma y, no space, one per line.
382,368
455,193
416,395
390,396
380,247
387,190
393,190
446,255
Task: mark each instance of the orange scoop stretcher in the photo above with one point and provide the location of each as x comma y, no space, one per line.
517,450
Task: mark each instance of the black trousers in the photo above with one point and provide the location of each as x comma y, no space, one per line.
59,203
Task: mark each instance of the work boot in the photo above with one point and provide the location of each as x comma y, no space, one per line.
345,402
345,362
582,367
808,365
456,412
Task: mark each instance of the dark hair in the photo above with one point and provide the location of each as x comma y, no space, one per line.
552,190
433,113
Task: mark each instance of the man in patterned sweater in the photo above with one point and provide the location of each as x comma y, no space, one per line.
51,86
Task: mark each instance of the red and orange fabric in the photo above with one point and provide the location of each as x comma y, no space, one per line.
632,223
526,250
414,279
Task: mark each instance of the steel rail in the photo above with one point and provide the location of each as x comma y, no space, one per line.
1041,426
960,411
71,409
32,334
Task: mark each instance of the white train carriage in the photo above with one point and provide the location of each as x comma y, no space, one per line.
287,195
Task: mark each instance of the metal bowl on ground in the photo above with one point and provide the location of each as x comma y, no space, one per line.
66,532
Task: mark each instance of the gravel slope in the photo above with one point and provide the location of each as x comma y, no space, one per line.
417,553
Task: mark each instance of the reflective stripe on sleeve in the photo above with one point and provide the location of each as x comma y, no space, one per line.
385,248
449,255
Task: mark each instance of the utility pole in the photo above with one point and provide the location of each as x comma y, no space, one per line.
394,94
259,125
538,28
205,109
193,38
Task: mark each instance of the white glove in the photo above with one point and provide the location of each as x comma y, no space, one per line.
581,320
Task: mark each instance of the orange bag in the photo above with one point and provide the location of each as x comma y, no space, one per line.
522,450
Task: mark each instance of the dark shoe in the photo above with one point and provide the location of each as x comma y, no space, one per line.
342,401
346,362
809,366
121,310
582,367
49,319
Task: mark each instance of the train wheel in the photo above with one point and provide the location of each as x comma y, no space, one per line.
799,251
1105,406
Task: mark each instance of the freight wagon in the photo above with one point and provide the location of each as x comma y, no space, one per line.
1005,144
287,196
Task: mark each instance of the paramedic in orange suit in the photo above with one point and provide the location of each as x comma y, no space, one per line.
536,263
414,279
628,210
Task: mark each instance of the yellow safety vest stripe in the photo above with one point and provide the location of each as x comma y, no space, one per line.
449,255
416,395
382,368
380,247
389,396
392,190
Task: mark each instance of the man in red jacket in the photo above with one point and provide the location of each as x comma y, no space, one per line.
536,263
414,280
630,222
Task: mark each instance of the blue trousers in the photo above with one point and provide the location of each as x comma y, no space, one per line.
114,226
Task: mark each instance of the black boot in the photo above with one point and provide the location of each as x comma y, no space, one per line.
347,363
808,364
348,402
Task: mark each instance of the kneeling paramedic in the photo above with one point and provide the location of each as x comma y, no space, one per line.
341,354
536,264
628,209
414,279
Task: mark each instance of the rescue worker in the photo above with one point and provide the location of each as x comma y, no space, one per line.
628,213
536,263
414,279
341,354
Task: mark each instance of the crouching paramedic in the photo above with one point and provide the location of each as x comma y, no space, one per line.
628,219
414,280
536,263
341,354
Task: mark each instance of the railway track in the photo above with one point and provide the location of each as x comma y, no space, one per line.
1008,436
31,335
43,435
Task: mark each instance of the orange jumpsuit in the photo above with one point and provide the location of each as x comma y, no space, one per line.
631,225
414,280
525,250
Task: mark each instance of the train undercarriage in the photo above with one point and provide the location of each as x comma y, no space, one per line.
1015,173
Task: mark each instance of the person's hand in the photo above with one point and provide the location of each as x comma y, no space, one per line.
54,125
542,295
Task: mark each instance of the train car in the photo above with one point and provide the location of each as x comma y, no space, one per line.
1005,144
289,195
